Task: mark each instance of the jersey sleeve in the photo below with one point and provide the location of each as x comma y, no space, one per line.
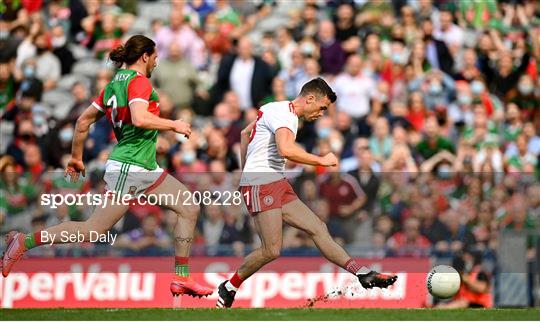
98,102
281,117
139,90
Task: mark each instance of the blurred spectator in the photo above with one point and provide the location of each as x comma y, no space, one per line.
354,90
178,78
437,53
433,141
149,240
409,242
179,32
247,75
345,197
332,53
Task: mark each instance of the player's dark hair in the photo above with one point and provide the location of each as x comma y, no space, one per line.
132,50
320,88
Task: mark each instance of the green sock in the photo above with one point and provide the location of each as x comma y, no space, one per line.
182,270
181,266
30,241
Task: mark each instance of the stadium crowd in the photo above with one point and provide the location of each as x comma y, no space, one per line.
437,122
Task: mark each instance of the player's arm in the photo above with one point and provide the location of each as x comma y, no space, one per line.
140,117
244,142
75,165
288,149
139,92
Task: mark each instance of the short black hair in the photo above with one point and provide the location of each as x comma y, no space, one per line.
318,87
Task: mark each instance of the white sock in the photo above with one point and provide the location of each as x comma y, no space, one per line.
363,271
230,287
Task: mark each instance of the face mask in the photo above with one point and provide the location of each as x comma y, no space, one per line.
323,133
444,172
368,72
181,138
66,135
383,98
336,145
58,41
477,87
38,120
4,34
307,48
464,100
188,157
396,58
29,71
525,89
399,58
220,124
435,88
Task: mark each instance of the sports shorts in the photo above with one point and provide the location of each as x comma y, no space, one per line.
268,196
129,179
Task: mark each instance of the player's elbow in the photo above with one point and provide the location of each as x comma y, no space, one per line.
284,151
82,124
137,121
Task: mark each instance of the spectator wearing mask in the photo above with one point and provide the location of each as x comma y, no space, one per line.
527,99
437,88
60,49
247,75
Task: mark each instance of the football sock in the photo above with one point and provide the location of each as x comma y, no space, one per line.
32,240
352,266
234,283
181,266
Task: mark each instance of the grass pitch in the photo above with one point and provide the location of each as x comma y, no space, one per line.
270,314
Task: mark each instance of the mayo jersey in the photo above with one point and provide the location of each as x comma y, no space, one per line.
135,146
263,162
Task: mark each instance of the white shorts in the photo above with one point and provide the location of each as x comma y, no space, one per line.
124,178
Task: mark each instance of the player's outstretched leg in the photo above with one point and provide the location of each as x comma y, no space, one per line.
269,227
17,243
298,215
187,213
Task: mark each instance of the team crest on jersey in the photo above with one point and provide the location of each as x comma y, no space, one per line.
132,190
268,200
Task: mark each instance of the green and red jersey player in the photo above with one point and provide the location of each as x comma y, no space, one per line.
132,107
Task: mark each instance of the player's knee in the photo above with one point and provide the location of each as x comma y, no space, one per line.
271,253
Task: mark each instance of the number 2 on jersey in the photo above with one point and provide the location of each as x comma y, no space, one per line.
113,103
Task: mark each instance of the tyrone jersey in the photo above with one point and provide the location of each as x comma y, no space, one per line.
263,162
135,145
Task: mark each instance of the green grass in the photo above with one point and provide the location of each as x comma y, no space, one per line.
269,314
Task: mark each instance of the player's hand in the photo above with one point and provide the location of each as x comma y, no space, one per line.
74,169
329,160
182,127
